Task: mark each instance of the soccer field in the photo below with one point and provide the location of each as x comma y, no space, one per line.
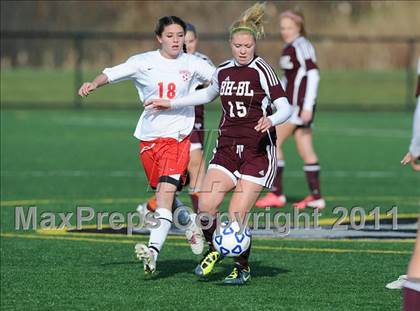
58,160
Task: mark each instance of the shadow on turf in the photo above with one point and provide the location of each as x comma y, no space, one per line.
133,262
169,268
257,270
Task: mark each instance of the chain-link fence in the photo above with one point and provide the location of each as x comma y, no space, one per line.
45,69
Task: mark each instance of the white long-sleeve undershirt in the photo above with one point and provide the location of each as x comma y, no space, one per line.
283,111
200,97
311,89
207,95
415,141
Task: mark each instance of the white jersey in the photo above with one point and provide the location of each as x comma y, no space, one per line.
158,77
208,60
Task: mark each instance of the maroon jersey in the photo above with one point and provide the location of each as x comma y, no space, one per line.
297,59
246,93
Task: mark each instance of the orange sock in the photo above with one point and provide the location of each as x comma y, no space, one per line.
152,204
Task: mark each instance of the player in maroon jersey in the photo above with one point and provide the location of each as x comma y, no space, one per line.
244,157
196,167
301,77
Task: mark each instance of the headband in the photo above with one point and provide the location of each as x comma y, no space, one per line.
290,14
246,28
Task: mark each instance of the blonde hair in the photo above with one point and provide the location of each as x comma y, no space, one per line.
297,17
251,20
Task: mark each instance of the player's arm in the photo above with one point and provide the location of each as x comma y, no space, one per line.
414,149
307,58
124,71
89,87
282,114
274,90
200,97
205,70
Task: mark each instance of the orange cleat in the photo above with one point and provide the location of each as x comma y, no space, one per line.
310,201
272,200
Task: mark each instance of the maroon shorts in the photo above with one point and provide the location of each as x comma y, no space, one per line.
197,137
296,120
243,162
411,301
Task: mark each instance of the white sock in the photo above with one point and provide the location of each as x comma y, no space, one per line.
158,234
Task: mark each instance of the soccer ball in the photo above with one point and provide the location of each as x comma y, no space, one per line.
229,242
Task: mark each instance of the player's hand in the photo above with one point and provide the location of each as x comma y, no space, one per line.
87,88
306,116
263,124
157,104
408,158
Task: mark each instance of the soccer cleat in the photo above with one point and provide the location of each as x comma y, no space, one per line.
147,256
398,283
310,201
195,236
272,200
238,276
206,264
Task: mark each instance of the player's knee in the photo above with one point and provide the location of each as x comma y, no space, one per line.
172,181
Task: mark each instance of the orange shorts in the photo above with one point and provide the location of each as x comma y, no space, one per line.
165,157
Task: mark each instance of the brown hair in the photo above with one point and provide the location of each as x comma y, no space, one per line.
166,21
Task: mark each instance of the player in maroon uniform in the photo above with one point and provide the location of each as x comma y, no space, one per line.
301,81
244,157
196,167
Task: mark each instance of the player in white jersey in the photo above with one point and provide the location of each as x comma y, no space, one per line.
301,77
167,73
413,154
196,166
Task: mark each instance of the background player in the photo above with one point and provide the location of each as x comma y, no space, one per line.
413,155
244,157
196,166
164,137
301,84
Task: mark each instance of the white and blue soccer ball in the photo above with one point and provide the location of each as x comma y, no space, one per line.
229,241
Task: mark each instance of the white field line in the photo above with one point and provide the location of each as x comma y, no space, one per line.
360,132
137,173
346,131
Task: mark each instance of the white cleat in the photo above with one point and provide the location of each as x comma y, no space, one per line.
320,203
195,236
146,255
397,284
